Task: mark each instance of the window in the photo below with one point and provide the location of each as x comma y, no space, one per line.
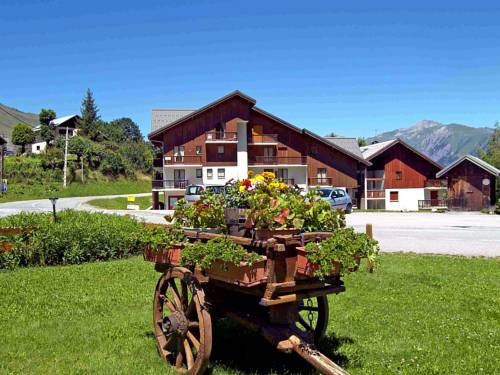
221,173
398,175
38,148
198,150
178,153
282,174
199,173
321,176
340,193
394,196
220,149
210,173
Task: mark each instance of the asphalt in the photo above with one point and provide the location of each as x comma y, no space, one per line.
464,233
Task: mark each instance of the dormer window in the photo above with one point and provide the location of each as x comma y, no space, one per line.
399,175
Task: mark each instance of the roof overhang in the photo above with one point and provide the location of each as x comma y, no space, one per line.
480,163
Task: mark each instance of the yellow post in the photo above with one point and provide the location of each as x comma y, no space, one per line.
131,199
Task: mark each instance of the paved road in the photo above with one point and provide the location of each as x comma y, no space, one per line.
471,234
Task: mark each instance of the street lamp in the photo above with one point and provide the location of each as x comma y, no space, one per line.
53,201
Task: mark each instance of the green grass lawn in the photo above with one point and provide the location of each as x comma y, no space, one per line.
416,314
76,189
120,203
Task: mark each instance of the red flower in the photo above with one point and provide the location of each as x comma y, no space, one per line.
246,182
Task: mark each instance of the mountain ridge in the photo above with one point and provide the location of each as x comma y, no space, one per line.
443,143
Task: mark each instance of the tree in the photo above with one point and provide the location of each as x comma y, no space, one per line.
331,134
129,129
362,142
81,147
22,135
492,153
89,112
46,116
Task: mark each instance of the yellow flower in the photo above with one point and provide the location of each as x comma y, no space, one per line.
253,181
268,175
250,173
259,178
275,184
283,186
242,189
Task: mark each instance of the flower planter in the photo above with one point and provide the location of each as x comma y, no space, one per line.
306,268
165,256
244,274
208,230
266,234
235,215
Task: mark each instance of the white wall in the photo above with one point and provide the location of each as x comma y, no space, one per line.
408,199
43,146
190,173
242,155
231,172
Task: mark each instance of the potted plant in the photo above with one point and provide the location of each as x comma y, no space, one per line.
337,254
224,260
163,245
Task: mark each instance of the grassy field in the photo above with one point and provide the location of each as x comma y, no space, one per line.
120,203
416,314
76,189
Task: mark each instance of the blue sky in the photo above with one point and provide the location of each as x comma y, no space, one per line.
352,67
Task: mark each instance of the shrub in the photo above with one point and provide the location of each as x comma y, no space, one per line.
76,237
113,164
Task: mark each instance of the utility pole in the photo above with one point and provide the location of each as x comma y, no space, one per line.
65,157
2,166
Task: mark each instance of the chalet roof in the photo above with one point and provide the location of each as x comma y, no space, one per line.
480,163
61,120
201,110
348,144
373,150
163,117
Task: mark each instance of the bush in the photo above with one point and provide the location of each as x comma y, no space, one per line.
76,237
113,165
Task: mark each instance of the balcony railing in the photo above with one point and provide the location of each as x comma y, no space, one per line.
169,184
436,183
183,159
263,138
320,181
275,160
432,203
375,194
220,136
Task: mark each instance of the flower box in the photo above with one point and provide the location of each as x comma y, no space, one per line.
266,234
164,256
244,274
306,268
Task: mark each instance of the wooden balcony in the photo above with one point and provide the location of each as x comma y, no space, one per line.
320,181
221,137
263,139
278,160
182,160
372,194
170,184
436,183
432,203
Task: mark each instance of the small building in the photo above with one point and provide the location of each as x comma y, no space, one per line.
399,178
471,183
60,124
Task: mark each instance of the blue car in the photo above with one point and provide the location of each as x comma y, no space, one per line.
338,198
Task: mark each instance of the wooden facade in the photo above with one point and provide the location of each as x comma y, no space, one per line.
470,187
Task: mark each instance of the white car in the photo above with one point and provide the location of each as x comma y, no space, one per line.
338,198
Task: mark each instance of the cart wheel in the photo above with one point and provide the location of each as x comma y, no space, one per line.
313,317
182,324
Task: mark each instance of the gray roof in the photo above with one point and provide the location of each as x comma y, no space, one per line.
61,120
345,143
370,150
479,162
163,117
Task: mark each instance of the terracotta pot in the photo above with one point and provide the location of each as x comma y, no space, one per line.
306,268
244,274
265,234
165,256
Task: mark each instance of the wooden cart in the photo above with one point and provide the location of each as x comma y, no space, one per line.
288,309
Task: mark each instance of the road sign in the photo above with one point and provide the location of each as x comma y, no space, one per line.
131,198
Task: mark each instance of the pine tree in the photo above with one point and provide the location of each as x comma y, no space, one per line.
492,154
89,113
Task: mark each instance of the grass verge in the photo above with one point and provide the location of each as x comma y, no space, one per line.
76,189
416,314
120,203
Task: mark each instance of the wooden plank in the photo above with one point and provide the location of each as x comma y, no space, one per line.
15,230
288,298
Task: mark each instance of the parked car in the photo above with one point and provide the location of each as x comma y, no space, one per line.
338,198
193,192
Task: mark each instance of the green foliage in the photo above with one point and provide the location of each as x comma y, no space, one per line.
342,247
22,135
47,133
113,164
125,129
89,115
362,142
138,155
76,237
120,203
204,255
159,238
46,116
492,153
208,212
80,146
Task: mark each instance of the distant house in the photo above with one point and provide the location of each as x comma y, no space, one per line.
400,176
60,124
471,183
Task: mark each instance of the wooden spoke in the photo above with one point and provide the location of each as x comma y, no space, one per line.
185,296
305,324
319,317
189,354
176,295
194,325
194,341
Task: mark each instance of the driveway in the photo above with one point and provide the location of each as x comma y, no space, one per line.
454,233
470,234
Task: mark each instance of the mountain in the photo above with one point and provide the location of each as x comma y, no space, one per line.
443,143
9,117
